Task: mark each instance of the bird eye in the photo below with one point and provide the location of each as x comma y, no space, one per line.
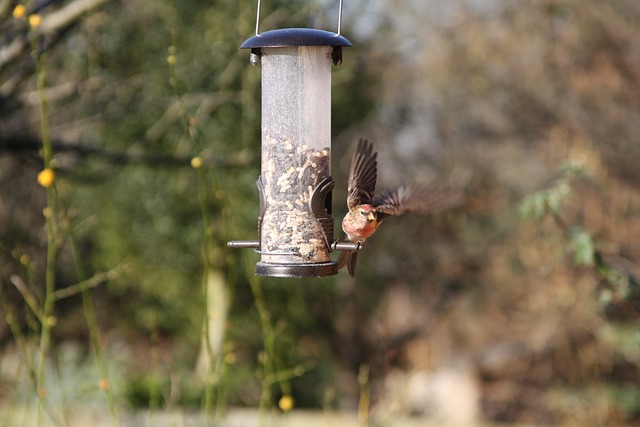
363,213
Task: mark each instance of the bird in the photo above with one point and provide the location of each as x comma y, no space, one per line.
367,210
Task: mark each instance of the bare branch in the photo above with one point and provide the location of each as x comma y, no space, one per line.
90,283
29,297
68,15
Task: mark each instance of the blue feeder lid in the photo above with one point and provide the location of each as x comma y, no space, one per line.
295,37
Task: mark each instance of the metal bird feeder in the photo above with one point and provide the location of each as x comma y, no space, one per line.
295,227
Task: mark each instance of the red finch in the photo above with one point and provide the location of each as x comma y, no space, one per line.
367,211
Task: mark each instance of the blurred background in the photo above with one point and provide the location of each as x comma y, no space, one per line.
521,306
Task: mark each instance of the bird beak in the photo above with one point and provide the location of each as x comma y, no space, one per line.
371,216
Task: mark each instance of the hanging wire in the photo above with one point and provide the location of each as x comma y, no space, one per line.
258,18
339,18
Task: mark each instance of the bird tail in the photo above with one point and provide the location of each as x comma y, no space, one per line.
350,259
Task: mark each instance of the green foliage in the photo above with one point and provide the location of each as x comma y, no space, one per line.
627,399
147,391
582,247
552,199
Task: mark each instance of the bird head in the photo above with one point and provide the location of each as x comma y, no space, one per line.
368,212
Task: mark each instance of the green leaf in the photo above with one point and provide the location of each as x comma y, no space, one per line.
557,195
581,244
533,206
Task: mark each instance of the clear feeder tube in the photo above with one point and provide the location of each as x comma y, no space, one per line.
296,152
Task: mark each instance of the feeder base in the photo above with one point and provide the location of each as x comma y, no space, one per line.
317,269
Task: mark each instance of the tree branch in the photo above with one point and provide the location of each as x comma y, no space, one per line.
21,144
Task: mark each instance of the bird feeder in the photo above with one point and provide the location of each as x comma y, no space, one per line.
295,227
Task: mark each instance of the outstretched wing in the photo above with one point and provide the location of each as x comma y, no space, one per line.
362,175
406,199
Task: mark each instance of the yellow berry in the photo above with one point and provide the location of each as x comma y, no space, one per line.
35,20
18,11
230,358
286,403
46,177
196,162
171,59
104,384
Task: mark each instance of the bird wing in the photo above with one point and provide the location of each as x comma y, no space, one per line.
405,199
362,175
